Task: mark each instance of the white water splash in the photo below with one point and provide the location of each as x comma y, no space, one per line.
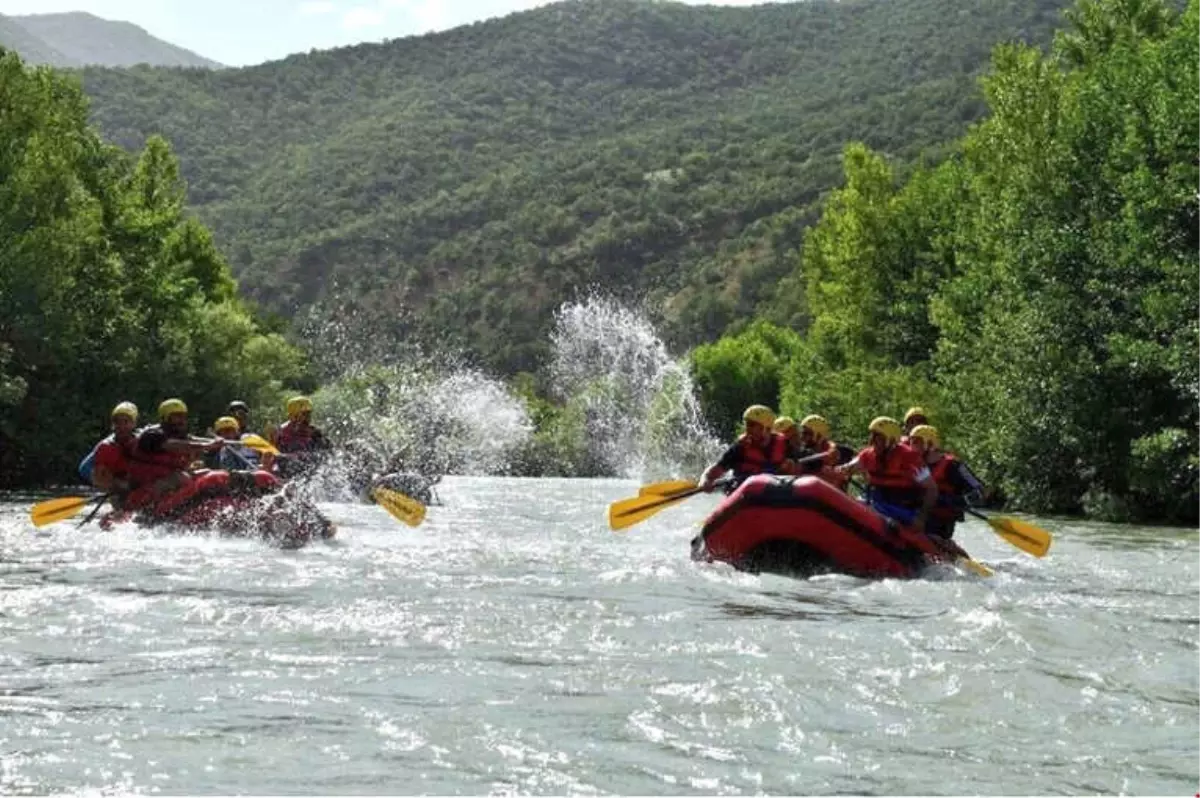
640,409
389,406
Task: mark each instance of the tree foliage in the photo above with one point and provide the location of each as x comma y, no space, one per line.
472,181
1038,290
107,290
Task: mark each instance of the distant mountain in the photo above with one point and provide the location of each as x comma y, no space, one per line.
462,185
14,36
80,39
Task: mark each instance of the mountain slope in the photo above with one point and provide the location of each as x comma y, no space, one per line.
462,185
14,36
83,38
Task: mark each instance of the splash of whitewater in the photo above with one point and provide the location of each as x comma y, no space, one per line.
639,404
394,408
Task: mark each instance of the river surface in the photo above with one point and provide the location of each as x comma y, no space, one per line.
512,644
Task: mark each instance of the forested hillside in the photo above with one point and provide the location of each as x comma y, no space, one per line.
460,186
77,38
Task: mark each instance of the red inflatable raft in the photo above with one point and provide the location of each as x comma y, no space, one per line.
255,508
803,525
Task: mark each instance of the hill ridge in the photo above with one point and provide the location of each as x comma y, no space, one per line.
81,38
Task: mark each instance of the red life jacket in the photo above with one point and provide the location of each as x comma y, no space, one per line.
895,477
291,437
114,456
145,467
948,494
764,459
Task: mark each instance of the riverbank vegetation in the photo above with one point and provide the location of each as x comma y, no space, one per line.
1036,291
108,290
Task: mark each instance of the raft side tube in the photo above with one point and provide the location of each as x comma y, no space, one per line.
805,525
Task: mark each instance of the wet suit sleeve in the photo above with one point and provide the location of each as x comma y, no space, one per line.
731,458
966,483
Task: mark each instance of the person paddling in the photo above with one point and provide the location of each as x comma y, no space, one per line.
107,466
786,426
957,486
759,451
302,445
814,440
900,485
915,417
233,456
239,411
160,457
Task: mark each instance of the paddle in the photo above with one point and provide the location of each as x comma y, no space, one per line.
657,496
627,512
60,509
667,488
96,509
403,508
1022,534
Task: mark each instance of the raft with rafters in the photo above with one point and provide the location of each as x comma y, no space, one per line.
803,526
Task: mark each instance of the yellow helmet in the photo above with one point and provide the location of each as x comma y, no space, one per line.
914,412
170,407
924,432
297,405
127,409
760,414
818,425
224,423
889,428
783,424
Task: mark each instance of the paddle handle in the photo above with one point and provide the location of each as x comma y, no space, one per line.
99,503
970,511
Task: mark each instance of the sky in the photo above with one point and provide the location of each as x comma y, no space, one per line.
243,32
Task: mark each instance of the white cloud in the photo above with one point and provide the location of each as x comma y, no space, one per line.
362,17
313,7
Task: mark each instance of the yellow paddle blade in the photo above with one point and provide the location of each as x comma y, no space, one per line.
48,512
258,444
974,566
627,512
667,488
1022,534
403,508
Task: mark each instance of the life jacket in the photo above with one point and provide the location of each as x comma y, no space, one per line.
291,437
891,477
760,459
146,467
948,507
109,452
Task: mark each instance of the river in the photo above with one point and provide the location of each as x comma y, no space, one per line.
513,644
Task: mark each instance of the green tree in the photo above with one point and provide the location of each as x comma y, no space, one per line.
107,291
